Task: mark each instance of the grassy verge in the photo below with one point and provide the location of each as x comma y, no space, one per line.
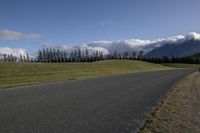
181,65
179,112
13,74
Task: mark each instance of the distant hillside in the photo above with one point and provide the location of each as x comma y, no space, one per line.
186,48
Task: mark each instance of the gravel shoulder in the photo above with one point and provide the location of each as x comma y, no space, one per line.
180,111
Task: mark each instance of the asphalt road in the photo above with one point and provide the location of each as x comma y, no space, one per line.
112,104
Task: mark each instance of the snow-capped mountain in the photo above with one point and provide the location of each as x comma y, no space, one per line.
180,45
183,46
148,46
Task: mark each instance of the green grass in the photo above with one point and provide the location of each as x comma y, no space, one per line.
14,74
181,65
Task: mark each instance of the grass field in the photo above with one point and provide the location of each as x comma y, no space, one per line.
14,74
181,65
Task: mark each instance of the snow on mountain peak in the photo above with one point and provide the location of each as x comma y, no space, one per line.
193,35
108,47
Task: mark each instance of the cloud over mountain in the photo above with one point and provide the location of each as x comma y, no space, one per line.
83,47
108,47
14,35
13,51
179,46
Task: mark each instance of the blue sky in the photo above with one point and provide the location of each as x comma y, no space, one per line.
80,21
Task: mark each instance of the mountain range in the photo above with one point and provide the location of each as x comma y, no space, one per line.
186,48
178,46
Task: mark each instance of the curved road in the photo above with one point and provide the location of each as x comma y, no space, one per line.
112,104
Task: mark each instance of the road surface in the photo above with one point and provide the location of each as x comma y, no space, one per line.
115,104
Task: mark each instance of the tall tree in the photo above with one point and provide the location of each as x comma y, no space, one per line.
115,55
79,55
24,58
140,56
58,59
20,58
97,55
4,57
101,55
125,55
54,55
133,54
86,54
65,56
75,55
72,56
50,55
27,57
44,57
39,56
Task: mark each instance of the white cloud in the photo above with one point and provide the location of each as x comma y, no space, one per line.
13,51
14,35
193,35
94,49
108,47
83,47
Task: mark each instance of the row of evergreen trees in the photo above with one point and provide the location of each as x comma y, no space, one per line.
12,58
9,58
164,59
57,55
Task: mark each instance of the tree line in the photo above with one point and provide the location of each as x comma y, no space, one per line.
165,59
57,55
12,58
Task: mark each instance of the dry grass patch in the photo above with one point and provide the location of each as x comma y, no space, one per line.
180,111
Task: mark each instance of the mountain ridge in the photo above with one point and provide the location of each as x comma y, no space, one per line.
185,48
